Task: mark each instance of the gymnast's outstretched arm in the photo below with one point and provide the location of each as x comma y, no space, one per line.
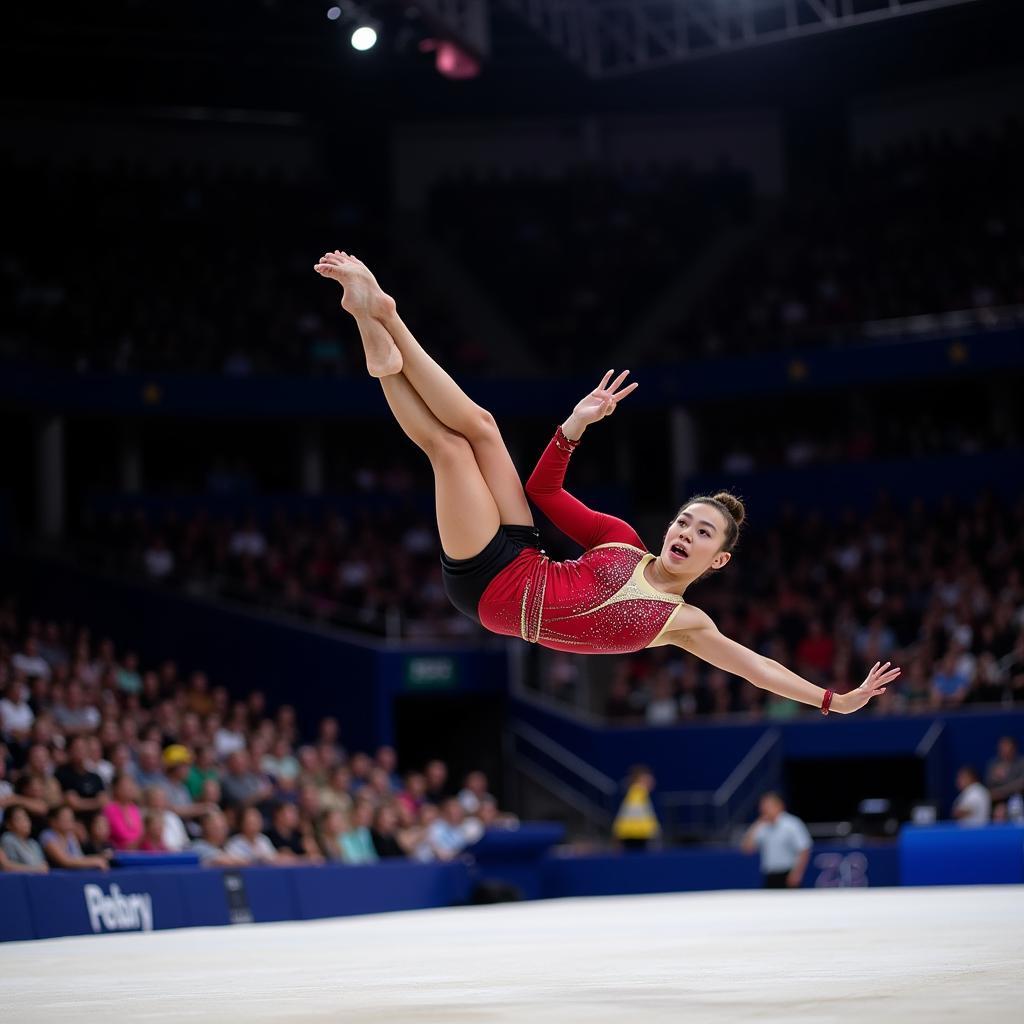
699,635
545,486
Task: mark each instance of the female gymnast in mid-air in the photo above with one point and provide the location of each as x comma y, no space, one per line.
617,597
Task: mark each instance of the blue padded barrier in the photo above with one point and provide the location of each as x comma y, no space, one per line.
375,888
90,902
637,873
147,861
962,855
93,902
15,912
80,903
270,893
516,856
830,866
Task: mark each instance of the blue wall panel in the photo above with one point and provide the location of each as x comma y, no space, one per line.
202,895
81,903
829,867
195,395
671,871
835,867
700,756
270,893
376,888
959,855
15,911
89,902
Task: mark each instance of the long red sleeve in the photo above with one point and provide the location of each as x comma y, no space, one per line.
585,526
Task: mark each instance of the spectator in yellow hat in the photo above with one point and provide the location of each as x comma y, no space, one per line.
177,765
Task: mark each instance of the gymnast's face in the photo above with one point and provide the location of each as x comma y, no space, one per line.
693,542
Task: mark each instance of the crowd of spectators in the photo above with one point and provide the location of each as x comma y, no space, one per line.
577,260
962,417
378,572
998,795
928,226
188,278
938,590
197,271
910,584
100,755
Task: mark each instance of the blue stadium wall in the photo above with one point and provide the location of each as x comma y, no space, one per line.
89,903
700,756
784,373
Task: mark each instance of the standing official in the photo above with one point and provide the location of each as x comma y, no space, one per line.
784,843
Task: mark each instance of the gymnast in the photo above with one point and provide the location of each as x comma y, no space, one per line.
616,597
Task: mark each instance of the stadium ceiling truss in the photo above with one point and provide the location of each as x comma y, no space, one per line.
607,38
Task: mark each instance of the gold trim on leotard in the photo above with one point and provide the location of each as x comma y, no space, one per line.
618,544
530,617
636,588
666,628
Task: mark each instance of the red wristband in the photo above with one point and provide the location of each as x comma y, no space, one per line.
827,702
563,442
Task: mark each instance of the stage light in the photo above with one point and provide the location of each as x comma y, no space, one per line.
333,13
450,59
364,38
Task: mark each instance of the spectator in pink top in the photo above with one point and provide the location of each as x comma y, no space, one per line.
413,796
124,814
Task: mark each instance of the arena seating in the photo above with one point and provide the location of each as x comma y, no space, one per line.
576,261
872,247
935,588
102,755
197,282
198,271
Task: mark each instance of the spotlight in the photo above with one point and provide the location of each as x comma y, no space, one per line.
364,38
450,59
333,13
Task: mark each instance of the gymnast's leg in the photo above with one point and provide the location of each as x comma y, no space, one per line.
365,300
467,517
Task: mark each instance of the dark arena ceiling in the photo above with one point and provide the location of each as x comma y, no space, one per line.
287,55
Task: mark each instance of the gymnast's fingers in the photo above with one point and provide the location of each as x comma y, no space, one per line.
626,391
604,381
617,383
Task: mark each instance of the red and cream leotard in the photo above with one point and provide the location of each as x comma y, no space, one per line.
599,603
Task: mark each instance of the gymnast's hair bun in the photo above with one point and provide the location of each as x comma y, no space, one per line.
733,505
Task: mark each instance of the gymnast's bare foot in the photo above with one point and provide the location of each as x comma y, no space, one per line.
363,295
365,300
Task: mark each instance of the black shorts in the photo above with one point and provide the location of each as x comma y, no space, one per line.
466,579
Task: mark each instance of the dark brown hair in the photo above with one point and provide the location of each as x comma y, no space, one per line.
732,511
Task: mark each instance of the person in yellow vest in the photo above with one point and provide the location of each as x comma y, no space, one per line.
636,824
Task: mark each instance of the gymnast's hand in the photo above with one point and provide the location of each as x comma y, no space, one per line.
878,678
601,402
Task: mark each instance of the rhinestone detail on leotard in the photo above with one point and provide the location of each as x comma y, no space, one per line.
611,608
